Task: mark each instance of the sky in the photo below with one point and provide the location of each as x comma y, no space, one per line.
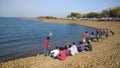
57,8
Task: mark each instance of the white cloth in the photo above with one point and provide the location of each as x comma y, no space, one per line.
54,52
73,50
84,40
92,36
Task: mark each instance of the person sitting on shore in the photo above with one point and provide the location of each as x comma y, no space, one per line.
101,32
75,48
81,46
112,32
54,52
61,55
71,50
67,51
107,33
92,37
88,47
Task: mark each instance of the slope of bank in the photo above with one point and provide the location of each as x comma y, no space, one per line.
106,52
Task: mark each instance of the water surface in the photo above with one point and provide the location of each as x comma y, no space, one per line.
21,38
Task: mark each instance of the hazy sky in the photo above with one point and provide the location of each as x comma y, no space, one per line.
58,8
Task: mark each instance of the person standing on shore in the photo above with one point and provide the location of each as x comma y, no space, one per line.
46,46
84,37
97,35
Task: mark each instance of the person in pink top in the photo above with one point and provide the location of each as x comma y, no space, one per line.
67,51
61,54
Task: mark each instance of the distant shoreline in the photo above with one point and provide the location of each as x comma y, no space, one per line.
78,22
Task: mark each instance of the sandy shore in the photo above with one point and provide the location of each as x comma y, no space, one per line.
105,54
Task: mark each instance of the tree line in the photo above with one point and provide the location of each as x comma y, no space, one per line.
47,17
111,13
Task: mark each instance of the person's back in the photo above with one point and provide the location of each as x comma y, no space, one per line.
92,36
75,48
46,46
67,52
106,33
87,34
89,46
81,46
54,52
71,50
62,54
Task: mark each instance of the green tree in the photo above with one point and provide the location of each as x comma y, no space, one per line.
69,16
78,16
93,15
111,12
84,15
105,13
117,11
72,15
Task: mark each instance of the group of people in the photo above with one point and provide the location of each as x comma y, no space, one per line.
97,35
85,45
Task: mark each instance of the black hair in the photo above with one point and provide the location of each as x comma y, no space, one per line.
69,45
65,47
61,48
81,42
48,38
92,33
73,43
88,42
56,47
86,31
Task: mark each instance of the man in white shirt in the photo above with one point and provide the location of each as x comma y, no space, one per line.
54,52
71,50
75,48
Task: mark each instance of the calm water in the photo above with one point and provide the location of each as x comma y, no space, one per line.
21,38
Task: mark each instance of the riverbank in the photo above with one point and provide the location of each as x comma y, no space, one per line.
105,53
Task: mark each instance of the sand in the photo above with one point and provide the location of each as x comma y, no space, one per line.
105,54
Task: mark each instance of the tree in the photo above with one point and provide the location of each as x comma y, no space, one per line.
78,16
47,17
93,15
105,13
69,16
84,15
72,15
117,11
111,13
